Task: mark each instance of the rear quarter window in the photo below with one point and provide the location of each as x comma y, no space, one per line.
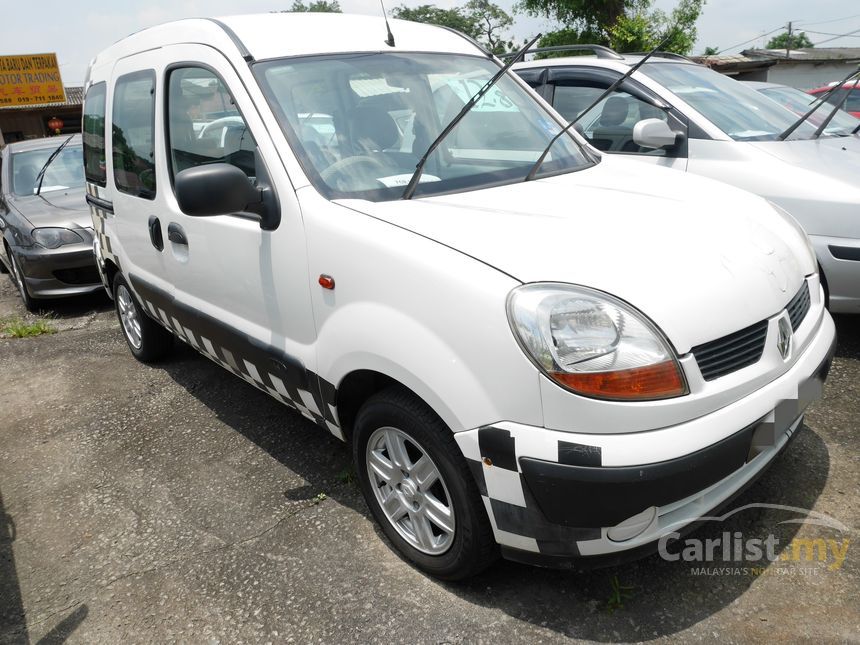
94,134
133,134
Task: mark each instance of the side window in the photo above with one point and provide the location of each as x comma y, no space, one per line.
609,124
853,102
133,134
204,124
94,135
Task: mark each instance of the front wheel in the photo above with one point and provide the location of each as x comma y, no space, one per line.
419,487
30,303
147,340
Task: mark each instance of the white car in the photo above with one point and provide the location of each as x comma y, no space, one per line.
703,122
566,367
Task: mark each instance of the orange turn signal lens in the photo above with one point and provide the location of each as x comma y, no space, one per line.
660,381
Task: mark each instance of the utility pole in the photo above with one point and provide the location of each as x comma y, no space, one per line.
788,42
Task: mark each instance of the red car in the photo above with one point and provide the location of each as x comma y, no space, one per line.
852,105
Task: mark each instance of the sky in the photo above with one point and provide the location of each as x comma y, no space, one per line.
77,31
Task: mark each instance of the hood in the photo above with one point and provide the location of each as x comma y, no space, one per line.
66,208
701,259
834,157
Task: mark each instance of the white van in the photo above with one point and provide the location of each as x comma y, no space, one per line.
566,367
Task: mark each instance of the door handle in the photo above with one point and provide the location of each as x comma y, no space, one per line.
155,233
175,234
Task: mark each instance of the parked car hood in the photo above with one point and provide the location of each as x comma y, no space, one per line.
834,157
700,258
66,208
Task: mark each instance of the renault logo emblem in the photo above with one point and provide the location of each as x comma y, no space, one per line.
783,342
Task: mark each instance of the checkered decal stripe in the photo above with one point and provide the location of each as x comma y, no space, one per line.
514,513
99,217
281,377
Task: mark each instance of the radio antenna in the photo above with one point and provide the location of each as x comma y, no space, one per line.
390,40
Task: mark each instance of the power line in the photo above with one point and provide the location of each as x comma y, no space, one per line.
827,33
838,36
825,22
751,39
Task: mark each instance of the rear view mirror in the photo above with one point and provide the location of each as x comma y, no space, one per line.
654,133
214,189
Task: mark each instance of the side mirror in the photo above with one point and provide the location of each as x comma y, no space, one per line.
215,189
654,133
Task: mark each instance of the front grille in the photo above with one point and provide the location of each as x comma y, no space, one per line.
799,306
731,353
83,275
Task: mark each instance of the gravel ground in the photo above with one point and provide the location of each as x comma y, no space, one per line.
177,504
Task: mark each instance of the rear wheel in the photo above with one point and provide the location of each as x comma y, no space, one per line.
147,340
18,278
419,487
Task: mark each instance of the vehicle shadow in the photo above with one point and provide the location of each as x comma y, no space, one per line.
664,597
13,624
847,336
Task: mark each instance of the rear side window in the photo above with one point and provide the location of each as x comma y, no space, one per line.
94,135
134,134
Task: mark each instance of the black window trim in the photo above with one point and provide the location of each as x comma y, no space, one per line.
103,182
149,72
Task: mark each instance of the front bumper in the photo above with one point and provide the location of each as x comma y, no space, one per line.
555,497
55,273
840,263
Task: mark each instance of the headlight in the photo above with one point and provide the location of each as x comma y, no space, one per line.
594,344
53,238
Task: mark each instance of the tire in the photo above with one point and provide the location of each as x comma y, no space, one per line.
31,304
147,340
441,527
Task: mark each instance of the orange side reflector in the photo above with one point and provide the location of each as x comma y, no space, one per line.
326,281
660,381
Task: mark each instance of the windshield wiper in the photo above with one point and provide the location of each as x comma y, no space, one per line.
609,90
41,176
419,168
816,104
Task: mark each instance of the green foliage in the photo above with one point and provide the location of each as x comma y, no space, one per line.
479,19
624,25
798,41
315,6
711,51
455,18
618,594
18,328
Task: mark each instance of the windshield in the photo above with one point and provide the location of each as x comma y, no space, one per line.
66,170
800,103
359,123
736,109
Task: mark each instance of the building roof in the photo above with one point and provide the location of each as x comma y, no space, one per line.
74,98
811,54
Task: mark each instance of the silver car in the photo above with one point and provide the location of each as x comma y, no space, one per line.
45,220
675,113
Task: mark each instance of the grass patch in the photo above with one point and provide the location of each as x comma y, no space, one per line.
19,328
619,594
346,476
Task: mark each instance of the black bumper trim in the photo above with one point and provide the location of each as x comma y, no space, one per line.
586,496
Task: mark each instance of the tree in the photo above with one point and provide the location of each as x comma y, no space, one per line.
798,41
625,25
491,22
430,14
315,6
711,51
478,19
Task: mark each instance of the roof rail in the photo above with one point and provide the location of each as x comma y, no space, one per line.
598,50
671,55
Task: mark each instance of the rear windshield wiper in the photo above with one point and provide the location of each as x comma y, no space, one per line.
41,176
419,168
821,99
609,90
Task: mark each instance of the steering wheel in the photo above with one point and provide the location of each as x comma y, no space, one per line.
341,166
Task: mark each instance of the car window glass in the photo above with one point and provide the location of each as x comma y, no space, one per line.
853,102
736,109
360,123
609,125
800,103
204,124
66,170
94,135
133,134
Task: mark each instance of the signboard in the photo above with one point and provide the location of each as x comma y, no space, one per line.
30,79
